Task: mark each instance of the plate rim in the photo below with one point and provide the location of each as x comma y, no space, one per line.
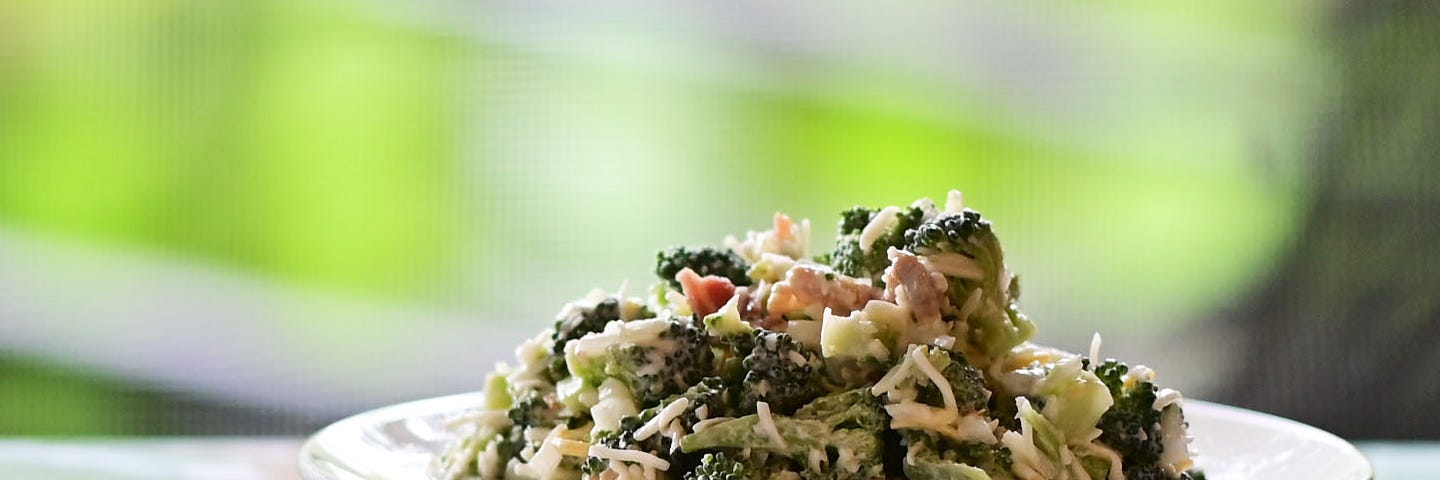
1281,423
309,469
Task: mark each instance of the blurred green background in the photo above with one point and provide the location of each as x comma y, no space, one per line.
256,216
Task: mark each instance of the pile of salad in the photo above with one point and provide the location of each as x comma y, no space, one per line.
901,353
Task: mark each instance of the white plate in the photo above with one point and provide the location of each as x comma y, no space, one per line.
397,442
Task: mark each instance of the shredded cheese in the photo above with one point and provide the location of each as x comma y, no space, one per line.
910,414
637,332
632,456
846,460
571,448
674,409
488,462
706,423
974,428
1138,373
676,431
923,361
767,424
1175,455
1026,458
1094,351
615,403
546,459
954,265
882,222
1167,397
954,202
927,209
972,303
816,459
1109,454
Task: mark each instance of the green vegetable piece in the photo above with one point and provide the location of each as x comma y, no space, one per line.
704,261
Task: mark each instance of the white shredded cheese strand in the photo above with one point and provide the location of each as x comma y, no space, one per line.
1167,397
1175,454
972,303
892,379
674,409
704,424
877,227
954,265
637,332
816,459
954,202
911,414
488,462
544,460
1139,373
675,432
1094,351
767,424
632,456
571,448
1109,455
922,361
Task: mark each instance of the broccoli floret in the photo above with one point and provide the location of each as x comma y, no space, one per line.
854,219
719,466
966,239
858,409
709,396
845,425
730,352
930,457
849,259
850,454
1132,425
533,410
655,358
576,324
530,409
966,383
623,438
653,376
780,371
704,261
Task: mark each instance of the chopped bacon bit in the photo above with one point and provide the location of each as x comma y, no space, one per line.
909,282
815,287
749,306
706,294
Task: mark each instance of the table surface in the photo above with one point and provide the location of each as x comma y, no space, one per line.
249,458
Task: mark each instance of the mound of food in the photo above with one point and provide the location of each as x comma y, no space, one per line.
901,353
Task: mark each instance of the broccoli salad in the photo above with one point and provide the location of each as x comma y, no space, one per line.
901,353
